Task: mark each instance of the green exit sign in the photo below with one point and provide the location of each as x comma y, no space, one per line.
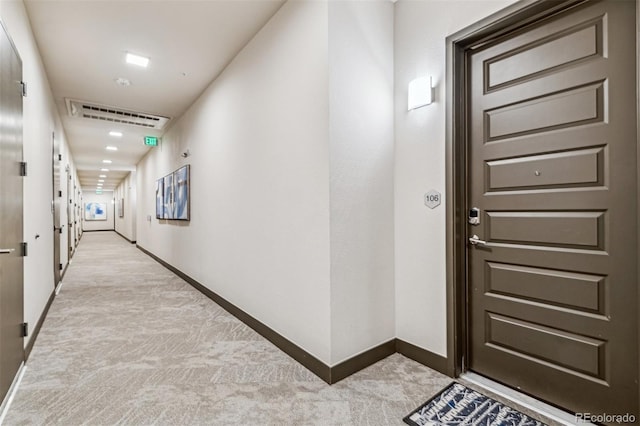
98,192
151,141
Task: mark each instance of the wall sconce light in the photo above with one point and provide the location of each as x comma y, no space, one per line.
420,93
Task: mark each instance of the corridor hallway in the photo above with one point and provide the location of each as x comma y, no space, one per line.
128,342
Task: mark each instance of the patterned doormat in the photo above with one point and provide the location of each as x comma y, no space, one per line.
459,405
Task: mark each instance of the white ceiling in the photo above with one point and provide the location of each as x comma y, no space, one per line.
83,45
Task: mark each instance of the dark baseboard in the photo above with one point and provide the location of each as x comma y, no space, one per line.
132,242
362,361
97,230
330,375
36,330
423,356
316,366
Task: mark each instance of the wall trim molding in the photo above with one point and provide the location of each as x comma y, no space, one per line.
423,356
363,360
132,242
36,330
325,372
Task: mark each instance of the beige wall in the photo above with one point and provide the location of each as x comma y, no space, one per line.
361,175
99,225
291,178
259,229
126,190
421,28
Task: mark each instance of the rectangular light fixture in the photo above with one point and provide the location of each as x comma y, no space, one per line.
420,93
102,176
112,148
106,161
115,134
138,60
100,180
104,170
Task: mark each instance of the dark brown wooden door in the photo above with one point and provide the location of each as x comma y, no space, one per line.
11,260
552,168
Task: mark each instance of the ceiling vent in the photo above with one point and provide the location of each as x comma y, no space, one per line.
92,111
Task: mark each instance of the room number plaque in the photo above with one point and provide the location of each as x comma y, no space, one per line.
432,199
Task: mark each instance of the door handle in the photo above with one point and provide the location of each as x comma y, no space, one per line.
476,241
7,251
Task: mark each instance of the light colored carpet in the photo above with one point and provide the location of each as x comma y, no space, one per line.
127,342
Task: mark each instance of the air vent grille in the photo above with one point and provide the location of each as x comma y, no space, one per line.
91,111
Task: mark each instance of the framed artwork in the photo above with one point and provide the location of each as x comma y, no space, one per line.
95,211
173,195
121,208
160,198
167,211
181,193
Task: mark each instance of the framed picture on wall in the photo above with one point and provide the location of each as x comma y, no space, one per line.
121,208
167,211
181,193
160,198
95,211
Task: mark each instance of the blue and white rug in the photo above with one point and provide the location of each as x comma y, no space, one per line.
458,405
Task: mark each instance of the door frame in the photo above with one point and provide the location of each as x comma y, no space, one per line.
519,14
5,401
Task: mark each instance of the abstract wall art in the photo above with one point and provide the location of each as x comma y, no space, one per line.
160,198
95,211
173,195
181,193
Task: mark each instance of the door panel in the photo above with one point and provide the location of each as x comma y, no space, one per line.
552,168
69,215
57,199
11,261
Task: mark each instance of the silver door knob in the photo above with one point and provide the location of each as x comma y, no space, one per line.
476,241
7,251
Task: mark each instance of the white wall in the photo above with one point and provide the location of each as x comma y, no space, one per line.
421,28
40,119
100,225
361,147
259,229
126,225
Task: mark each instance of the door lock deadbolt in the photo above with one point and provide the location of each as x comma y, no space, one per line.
474,216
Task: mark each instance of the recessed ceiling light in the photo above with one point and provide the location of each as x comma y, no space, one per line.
138,60
115,134
107,161
112,148
103,176
122,81
100,180
104,170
